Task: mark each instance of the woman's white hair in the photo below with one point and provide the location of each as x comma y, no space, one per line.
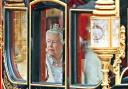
56,30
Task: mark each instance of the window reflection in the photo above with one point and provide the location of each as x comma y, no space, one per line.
53,16
19,43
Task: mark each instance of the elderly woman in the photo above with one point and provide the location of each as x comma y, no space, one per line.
54,57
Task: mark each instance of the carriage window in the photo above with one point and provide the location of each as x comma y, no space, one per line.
16,44
85,65
47,37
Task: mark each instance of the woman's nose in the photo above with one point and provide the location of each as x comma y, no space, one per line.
51,44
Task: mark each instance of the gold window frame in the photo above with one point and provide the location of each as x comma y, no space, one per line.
71,24
20,81
65,85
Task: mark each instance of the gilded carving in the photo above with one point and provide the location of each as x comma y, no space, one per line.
119,54
6,83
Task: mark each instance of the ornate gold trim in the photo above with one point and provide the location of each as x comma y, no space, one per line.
105,7
105,54
105,57
120,53
56,1
117,3
49,85
6,82
15,5
15,8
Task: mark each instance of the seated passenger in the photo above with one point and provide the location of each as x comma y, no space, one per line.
92,65
54,56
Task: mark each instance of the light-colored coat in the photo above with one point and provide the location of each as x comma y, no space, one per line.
54,74
92,68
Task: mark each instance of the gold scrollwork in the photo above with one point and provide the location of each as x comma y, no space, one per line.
6,83
120,53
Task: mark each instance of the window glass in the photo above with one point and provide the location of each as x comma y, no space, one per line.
85,66
48,27
16,44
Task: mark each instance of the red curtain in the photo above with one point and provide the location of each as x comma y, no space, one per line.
43,46
83,22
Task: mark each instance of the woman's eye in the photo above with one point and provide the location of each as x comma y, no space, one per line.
48,41
54,41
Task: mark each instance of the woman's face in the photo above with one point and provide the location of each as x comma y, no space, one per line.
54,45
